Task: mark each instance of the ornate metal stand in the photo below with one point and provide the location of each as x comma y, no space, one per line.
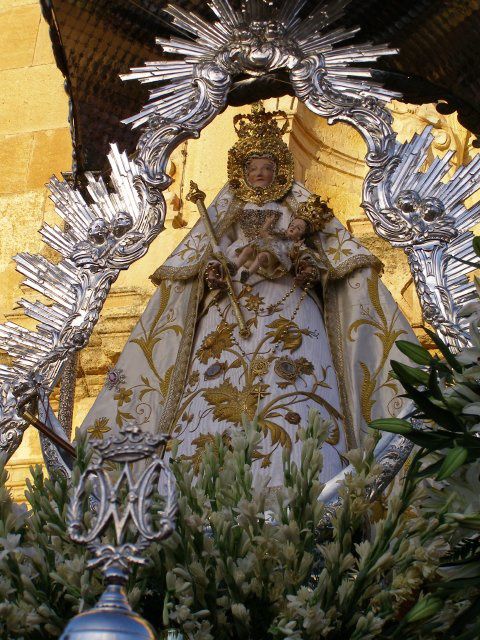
410,208
126,503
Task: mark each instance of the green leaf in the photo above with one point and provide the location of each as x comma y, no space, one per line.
431,411
444,349
392,425
476,245
424,609
429,470
453,461
430,440
414,351
433,384
412,375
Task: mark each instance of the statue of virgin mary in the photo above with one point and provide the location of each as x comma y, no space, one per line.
321,327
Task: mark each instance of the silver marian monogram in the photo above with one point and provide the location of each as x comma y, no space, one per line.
135,499
126,501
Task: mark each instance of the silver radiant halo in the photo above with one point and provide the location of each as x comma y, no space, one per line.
261,37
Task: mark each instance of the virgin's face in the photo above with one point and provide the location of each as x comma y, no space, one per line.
260,172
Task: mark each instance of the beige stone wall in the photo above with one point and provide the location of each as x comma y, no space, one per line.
35,143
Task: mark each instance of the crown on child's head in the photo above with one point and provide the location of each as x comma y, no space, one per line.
316,213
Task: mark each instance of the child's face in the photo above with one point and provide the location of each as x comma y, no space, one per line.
260,172
296,229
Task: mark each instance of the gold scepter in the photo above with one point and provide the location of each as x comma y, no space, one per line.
198,197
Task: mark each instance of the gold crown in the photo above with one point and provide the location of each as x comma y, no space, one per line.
260,137
260,123
315,212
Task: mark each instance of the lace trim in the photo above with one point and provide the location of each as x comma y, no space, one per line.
354,263
177,382
334,333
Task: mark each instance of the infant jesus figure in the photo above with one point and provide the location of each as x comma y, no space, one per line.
272,248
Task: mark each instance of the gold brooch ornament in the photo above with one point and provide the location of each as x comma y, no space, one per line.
260,137
260,366
316,213
286,368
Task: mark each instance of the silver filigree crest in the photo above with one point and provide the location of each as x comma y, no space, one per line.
102,236
259,38
125,502
424,214
139,503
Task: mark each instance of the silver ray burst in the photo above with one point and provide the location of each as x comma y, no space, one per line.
421,212
261,36
101,236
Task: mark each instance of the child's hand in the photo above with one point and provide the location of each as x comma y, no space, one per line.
269,219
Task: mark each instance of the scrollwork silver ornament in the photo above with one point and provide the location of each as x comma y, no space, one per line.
17,391
419,211
258,38
139,504
101,237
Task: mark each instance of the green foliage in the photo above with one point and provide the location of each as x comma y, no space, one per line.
446,393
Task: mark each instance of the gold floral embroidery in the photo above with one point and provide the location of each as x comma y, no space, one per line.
196,265
167,419
335,338
273,410
203,441
210,440
99,428
290,369
278,435
287,332
260,366
230,403
162,323
251,220
340,237
193,378
292,417
216,342
123,396
387,334
254,302
334,434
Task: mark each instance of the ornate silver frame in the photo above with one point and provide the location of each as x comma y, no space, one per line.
409,207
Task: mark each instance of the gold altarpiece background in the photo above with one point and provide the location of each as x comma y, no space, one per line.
35,143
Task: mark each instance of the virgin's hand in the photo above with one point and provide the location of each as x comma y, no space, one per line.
214,276
306,274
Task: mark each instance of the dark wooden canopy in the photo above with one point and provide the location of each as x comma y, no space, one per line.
96,40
